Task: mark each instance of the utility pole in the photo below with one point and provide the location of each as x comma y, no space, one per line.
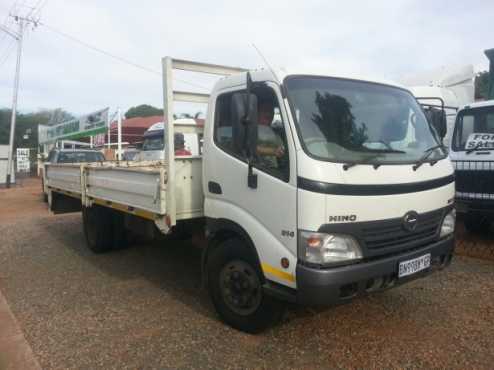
119,134
21,21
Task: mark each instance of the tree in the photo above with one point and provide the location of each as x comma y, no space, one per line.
143,110
26,130
482,85
336,121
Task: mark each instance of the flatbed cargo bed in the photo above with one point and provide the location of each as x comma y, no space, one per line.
134,187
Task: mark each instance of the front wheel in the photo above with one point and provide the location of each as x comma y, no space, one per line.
235,287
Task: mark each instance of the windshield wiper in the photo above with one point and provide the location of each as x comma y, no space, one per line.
381,150
426,155
476,147
368,160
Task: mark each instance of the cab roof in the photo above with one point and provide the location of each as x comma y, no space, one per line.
279,75
479,104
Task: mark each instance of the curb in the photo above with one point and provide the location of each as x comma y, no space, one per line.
15,352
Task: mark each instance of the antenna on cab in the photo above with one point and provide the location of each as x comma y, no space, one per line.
266,62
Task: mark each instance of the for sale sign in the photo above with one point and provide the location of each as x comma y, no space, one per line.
23,164
480,141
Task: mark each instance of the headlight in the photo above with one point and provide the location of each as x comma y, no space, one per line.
448,225
321,248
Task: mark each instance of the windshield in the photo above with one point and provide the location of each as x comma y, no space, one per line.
153,143
352,121
472,121
76,157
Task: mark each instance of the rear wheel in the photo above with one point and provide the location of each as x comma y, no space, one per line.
97,228
120,234
235,287
104,229
45,196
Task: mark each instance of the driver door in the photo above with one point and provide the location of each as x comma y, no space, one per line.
268,212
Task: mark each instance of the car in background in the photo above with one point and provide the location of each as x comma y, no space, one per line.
69,156
75,156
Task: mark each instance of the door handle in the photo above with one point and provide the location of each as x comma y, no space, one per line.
251,177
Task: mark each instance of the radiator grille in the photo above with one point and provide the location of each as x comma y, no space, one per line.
392,233
474,179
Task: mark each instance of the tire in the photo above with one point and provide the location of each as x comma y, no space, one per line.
120,237
98,228
45,196
235,286
475,223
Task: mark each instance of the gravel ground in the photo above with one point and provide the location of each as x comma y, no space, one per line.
143,308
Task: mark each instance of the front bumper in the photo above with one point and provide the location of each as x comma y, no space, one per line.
340,284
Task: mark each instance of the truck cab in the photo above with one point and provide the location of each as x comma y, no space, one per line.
153,147
354,196
472,154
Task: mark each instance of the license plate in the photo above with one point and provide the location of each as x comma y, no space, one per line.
410,267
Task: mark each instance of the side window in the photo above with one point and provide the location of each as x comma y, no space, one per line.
489,122
272,150
223,123
467,128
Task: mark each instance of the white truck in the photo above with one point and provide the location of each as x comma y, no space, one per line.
153,144
472,154
311,189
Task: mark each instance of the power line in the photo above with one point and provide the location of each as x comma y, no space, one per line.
15,9
116,57
33,9
8,20
7,23
8,52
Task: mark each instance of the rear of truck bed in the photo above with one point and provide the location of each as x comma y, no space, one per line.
138,188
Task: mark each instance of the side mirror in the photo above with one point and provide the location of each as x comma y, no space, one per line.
244,124
244,130
437,119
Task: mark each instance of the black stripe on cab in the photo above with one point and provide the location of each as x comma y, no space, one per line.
374,189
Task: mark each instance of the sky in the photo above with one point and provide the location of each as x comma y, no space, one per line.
375,39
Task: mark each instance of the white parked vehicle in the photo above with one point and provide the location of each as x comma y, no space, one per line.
472,153
447,89
313,189
153,144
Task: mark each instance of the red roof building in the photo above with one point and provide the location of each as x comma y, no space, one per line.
133,129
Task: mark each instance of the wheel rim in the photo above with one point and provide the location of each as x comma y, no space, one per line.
240,287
